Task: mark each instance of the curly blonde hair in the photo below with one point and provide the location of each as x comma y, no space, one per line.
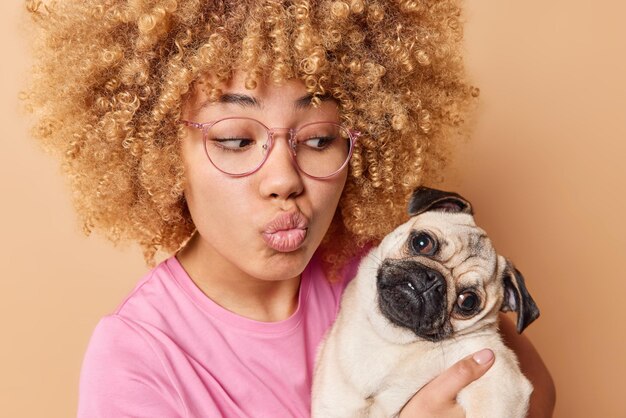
110,78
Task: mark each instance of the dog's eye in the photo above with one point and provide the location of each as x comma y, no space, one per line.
467,302
423,243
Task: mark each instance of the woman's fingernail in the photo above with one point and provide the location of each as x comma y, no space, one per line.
483,356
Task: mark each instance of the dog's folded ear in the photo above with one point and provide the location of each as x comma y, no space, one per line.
424,199
517,298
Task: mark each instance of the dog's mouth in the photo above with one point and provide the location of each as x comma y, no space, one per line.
440,335
413,296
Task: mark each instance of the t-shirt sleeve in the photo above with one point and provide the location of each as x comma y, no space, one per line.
122,375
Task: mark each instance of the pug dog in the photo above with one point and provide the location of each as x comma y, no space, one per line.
426,297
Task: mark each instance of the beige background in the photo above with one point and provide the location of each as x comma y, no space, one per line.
545,172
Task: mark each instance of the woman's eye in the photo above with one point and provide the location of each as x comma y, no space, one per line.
467,302
424,244
235,144
319,142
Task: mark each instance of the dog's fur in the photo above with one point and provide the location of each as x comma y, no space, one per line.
399,323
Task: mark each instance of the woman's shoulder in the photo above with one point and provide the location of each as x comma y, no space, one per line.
116,338
126,355
121,364
119,336
151,294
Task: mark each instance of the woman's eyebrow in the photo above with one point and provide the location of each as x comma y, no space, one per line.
245,100
240,99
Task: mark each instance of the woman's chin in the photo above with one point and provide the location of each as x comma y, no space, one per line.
280,265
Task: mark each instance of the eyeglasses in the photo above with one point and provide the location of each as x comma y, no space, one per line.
239,146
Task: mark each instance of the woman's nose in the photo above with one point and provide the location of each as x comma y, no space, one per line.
280,178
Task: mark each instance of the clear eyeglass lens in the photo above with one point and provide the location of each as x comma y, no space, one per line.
322,148
238,146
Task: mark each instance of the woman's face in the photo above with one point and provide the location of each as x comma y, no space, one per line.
266,225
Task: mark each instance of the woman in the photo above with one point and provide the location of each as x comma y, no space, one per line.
264,146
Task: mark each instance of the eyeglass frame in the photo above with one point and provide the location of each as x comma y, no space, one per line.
205,126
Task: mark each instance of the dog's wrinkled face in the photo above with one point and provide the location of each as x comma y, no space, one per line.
438,275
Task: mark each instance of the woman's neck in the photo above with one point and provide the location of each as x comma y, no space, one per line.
233,289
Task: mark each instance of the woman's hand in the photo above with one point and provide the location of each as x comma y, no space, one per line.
438,397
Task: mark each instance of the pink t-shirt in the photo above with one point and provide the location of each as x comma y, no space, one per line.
170,351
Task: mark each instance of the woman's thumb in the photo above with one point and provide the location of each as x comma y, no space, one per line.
444,388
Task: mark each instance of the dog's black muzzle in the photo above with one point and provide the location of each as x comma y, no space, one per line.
413,296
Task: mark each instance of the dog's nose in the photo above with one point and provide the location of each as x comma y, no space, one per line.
438,288
432,276
435,281
426,281
411,275
431,280
413,295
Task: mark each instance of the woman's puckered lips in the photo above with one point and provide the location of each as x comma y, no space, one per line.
286,221
286,232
